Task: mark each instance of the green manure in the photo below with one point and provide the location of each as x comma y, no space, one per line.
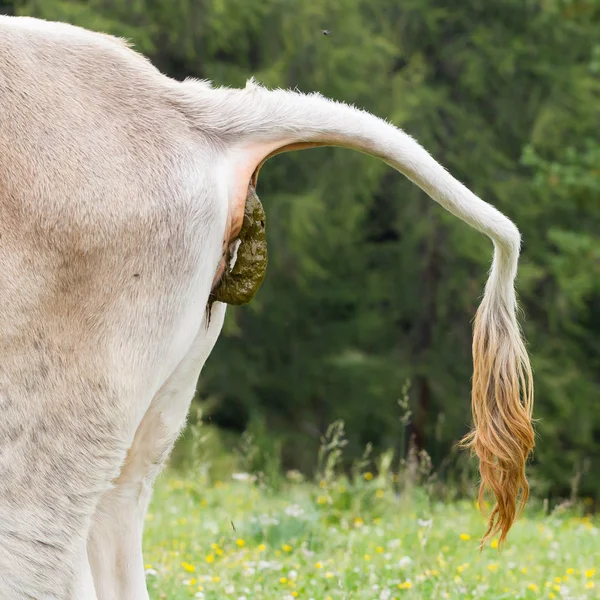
354,538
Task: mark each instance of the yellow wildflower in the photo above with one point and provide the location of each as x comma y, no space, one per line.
368,476
210,558
189,568
590,573
241,543
465,537
318,565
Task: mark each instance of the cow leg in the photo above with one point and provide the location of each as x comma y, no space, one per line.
115,540
83,586
63,439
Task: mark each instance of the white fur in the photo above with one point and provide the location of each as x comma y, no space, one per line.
118,188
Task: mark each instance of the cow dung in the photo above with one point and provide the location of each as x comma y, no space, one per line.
239,284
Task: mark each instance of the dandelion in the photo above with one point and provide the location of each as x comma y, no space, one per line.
465,537
406,585
318,565
262,548
379,550
188,567
283,580
494,543
216,579
368,476
286,548
589,585
241,543
590,573
570,571
367,557
210,558
533,587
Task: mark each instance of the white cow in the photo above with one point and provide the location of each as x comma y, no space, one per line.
119,190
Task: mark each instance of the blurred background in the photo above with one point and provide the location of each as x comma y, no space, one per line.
365,313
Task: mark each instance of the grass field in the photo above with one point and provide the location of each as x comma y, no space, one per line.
340,540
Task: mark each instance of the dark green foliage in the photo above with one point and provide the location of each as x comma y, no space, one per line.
370,283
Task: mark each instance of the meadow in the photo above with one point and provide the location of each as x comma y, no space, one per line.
355,537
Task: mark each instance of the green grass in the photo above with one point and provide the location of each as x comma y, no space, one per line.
340,540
